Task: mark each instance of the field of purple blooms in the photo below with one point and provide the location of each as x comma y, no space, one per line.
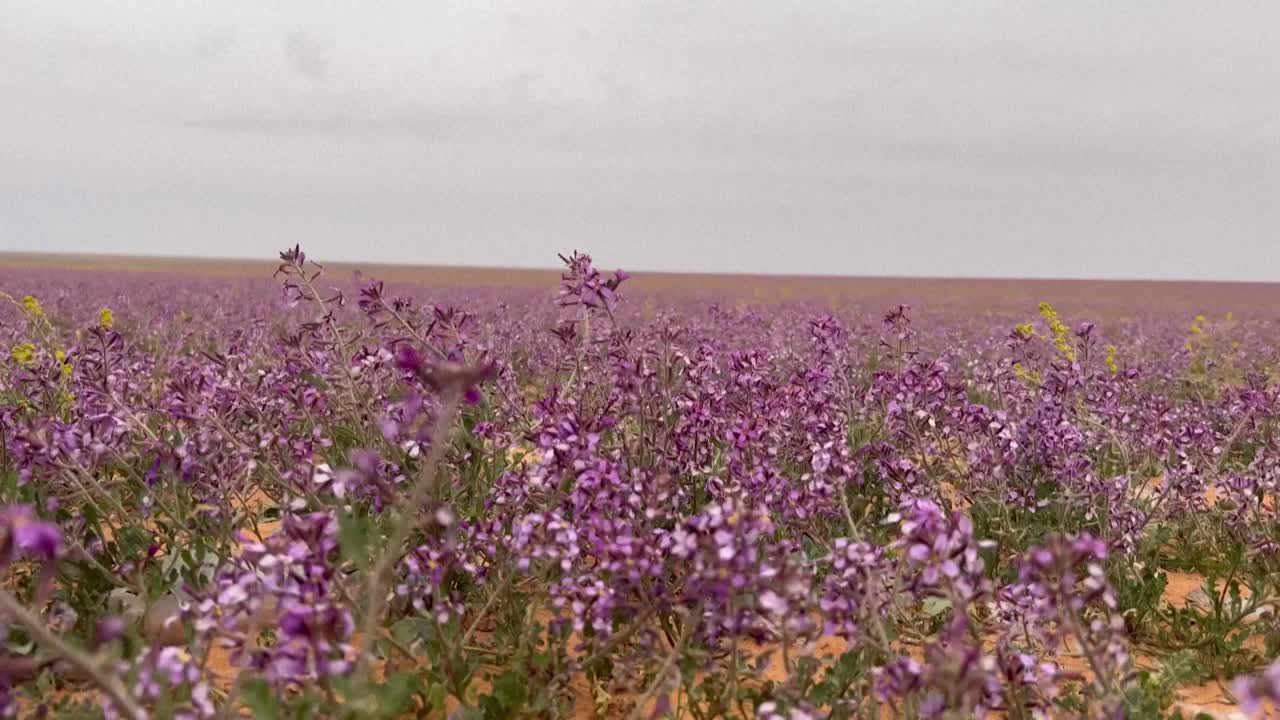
310,496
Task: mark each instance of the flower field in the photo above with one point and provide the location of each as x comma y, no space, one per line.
311,495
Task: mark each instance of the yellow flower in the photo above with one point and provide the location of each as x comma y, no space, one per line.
33,306
106,319
1061,333
1025,330
1027,376
62,360
1111,360
24,354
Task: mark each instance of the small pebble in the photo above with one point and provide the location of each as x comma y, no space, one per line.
163,622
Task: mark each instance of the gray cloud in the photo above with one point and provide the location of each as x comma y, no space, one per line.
306,54
214,42
831,136
346,117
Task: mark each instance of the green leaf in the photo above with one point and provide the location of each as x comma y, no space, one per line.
314,380
436,696
90,514
354,532
345,438
264,704
397,694
19,643
507,696
935,606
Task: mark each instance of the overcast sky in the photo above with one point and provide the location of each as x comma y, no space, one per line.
1058,138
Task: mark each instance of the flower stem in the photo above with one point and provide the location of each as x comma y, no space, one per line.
404,527
82,661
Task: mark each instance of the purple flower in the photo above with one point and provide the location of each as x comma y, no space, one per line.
1259,694
408,359
109,629
942,552
168,677
22,533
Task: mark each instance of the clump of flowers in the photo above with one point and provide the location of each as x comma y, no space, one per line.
1062,592
941,552
1112,366
583,284
171,678
285,583
33,307
857,590
1059,330
24,354
725,556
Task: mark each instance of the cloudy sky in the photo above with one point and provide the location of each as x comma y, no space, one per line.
1076,139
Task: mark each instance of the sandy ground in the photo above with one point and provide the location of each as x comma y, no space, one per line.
979,294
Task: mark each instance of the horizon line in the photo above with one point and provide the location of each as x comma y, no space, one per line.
7,256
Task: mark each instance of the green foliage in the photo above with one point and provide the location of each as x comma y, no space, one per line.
507,696
1151,696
